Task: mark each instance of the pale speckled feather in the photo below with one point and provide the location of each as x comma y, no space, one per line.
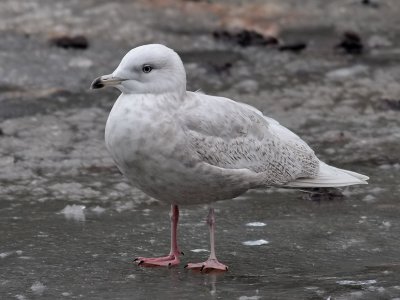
233,135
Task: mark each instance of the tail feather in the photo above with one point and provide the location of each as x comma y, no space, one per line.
357,175
330,177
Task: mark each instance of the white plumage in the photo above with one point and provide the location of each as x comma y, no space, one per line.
183,147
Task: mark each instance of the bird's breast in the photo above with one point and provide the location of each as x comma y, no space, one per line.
145,142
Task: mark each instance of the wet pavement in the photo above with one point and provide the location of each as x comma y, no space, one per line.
70,225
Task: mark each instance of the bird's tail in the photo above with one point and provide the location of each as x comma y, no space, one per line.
329,176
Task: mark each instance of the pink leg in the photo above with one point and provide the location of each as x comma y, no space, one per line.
212,263
172,259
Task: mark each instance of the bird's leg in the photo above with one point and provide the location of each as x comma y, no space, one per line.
172,259
212,263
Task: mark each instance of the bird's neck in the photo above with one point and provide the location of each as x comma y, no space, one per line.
163,101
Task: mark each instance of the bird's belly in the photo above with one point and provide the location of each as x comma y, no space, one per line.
169,176
180,184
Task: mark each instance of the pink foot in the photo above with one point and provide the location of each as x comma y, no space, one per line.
165,261
209,265
172,259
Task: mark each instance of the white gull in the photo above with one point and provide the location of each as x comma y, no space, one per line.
184,147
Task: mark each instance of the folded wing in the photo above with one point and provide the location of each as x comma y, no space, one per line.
233,135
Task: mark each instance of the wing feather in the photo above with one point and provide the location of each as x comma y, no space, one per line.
234,135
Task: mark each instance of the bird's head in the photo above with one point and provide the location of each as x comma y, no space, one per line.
148,69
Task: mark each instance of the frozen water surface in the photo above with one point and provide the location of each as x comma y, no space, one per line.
320,244
70,225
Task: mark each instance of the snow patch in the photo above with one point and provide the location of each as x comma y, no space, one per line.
199,250
98,209
5,254
355,282
256,224
74,212
249,297
386,224
255,243
38,288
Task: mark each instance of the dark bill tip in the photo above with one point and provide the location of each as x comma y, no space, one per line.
97,84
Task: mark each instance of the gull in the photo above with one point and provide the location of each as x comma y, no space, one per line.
184,147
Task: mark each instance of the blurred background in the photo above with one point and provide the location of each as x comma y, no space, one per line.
70,224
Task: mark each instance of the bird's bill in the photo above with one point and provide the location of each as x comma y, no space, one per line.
106,80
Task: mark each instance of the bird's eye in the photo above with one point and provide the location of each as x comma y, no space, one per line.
146,68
